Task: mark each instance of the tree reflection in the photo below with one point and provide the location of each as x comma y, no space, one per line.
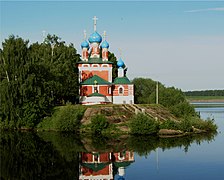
51,155
24,155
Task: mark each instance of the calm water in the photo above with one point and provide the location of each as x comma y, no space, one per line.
204,160
44,155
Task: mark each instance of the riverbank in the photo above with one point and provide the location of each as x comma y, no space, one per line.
123,119
206,101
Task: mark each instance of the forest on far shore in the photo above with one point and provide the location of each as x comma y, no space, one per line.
205,93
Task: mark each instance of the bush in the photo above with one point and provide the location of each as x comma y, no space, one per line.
169,124
98,124
207,125
142,124
65,118
186,125
183,109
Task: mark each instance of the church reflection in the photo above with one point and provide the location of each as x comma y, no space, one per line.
104,165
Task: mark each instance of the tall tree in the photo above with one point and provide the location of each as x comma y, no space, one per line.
14,69
112,58
34,79
63,67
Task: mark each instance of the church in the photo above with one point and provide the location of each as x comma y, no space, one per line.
95,74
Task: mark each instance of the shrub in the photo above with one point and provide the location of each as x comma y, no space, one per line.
186,125
207,125
142,124
169,124
183,109
65,118
98,124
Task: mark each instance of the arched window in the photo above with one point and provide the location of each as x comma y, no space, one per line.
95,65
121,155
85,65
105,65
121,90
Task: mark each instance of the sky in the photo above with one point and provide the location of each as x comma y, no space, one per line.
179,43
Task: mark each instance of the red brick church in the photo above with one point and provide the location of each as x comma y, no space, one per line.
95,74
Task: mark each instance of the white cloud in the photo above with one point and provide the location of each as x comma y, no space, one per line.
203,10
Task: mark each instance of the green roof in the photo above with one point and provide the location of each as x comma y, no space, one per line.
95,166
122,80
123,164
95,61
93,79
96,94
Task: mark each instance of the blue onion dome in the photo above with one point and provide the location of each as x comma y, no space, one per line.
95,37
120,63
105,44
85,44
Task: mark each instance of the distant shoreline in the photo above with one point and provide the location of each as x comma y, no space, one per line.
206,100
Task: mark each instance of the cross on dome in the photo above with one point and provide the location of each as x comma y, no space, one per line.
94,21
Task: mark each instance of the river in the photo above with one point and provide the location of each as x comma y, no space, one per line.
50,155
203,160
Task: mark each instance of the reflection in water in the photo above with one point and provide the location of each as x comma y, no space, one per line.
24,155
50,155
105,165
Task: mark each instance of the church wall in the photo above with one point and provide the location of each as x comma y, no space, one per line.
102,70
127,97
102,74
86,90
104,157
104,90
116,90
123,99
95,100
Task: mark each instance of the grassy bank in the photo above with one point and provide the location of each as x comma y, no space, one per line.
118,119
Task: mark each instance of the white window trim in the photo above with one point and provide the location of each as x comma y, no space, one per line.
119,156
105,65
85,65
98,88
95,65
